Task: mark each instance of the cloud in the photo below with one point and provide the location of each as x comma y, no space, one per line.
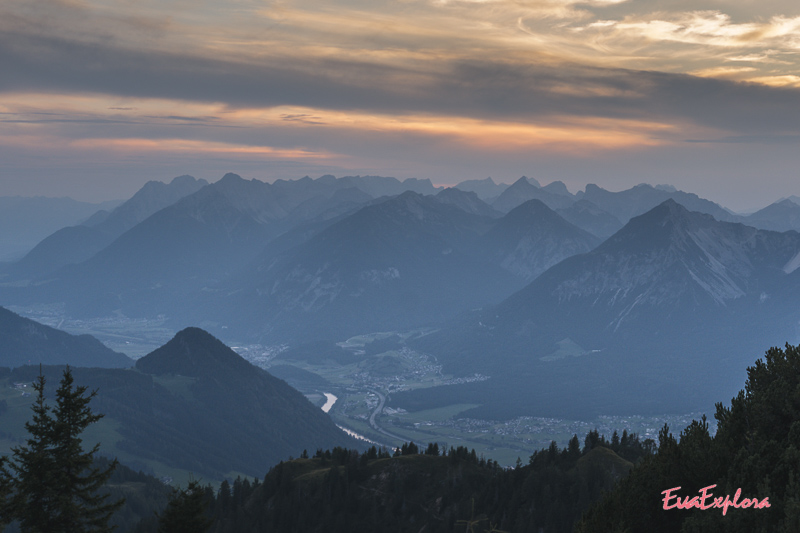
372,83
481,89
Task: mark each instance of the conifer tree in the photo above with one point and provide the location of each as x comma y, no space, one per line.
5,495
32,485
56,485
186,512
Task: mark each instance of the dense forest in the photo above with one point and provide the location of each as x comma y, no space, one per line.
756,449
444,490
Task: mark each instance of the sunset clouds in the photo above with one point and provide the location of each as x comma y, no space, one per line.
441,89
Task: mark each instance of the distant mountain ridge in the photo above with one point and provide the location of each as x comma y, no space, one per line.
406,261
523,190
532,237
783,215
74,244
24,221
486,189
396,263
642,198
636,323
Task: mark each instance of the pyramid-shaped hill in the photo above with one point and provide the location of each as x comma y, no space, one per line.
192,406
209,411
195,353
532,237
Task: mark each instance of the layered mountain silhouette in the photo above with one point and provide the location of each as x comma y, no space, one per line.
74,244
192,243
27,342
404,262
783,215
532,237
523,190
637,200
587,216
399,263
467,201
640,322
24,221
486,189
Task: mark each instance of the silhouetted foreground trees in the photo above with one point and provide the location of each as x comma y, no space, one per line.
756,449
51,484
342,490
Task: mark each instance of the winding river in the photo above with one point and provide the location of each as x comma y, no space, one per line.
330,399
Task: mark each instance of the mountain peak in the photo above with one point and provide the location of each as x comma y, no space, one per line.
671,211
230,177
532,181
659,227
533,207
523,182
186,180
557,187
192,352
466,200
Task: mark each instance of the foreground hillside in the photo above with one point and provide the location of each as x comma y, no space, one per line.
26,342
192,406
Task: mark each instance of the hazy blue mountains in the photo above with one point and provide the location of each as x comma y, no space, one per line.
74,244
783,215
24,221
377,186
587,216
403,262
637,200
554,195
192,243
486,189
467,201
638,324
26,342
532,237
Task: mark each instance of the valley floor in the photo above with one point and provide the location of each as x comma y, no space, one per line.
364,385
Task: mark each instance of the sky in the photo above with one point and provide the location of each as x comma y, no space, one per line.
99,96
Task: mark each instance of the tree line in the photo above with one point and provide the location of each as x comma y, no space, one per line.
598,484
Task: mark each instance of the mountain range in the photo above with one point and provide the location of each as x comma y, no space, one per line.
537,284
74,244
24,221
638,324
404,262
